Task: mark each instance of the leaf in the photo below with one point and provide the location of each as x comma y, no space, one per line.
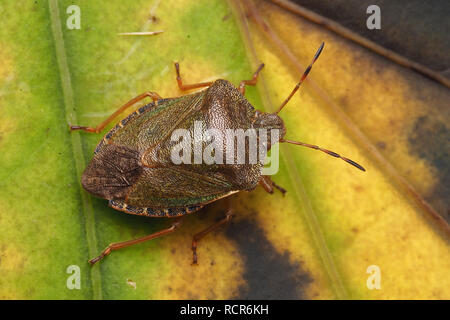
365,218
316,242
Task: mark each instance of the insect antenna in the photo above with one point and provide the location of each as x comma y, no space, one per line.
305,74
297,86
331,153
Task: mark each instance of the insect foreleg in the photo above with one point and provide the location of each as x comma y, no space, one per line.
155,97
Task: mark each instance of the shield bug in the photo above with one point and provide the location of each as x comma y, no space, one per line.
133,166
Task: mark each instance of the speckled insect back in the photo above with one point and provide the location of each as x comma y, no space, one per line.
133,164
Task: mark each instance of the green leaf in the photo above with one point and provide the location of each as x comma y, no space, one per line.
316,242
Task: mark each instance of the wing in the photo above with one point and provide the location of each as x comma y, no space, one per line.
112,171
148,126
174,187
115,173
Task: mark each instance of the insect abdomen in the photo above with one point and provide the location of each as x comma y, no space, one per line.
153,212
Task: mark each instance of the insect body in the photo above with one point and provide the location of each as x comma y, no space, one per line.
133,166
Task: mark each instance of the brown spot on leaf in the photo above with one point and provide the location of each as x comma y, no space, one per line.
430,140
268,274
381,145
226,17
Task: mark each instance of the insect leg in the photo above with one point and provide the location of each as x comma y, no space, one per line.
120,245
185,87
203,233
155,97
251,82
268,185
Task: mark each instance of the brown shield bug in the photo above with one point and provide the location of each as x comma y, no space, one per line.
133,168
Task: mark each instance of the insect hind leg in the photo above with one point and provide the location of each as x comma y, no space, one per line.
124,244
203,233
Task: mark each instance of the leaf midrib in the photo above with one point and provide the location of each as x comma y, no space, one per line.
78,155
294,176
